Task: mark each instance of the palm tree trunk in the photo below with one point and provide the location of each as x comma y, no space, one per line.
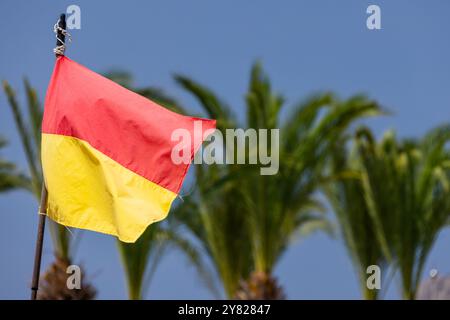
260,286
369,294
134,294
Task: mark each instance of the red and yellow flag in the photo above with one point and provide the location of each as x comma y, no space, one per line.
106,153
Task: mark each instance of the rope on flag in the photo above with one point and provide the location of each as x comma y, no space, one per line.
60,48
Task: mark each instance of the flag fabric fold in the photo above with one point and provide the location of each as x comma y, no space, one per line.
106,153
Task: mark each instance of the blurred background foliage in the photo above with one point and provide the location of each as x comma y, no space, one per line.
390,197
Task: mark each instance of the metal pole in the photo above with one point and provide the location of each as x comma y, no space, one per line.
39,243
44,196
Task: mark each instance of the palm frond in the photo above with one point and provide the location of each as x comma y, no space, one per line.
10,177
26,137
404,192
211,104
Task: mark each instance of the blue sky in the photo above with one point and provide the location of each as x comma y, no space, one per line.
305,46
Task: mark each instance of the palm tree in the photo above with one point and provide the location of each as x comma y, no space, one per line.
345,193
53,282
406,192
245,221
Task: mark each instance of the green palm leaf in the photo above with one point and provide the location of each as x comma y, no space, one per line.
404,189
246,223
10,177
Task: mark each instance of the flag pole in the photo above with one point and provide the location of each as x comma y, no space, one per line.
59,50
39,243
